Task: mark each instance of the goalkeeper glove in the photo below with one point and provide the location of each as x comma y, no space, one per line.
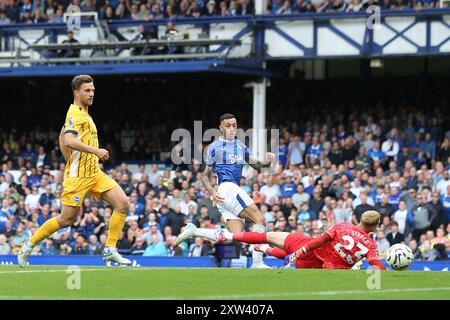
289,261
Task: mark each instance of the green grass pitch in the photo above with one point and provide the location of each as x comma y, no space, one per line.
51,282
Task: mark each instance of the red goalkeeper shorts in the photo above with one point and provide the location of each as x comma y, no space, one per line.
295,241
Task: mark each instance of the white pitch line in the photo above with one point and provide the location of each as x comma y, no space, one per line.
320,293
241,296
111,268
52,271
46,298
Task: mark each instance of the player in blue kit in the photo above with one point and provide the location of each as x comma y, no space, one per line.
226,156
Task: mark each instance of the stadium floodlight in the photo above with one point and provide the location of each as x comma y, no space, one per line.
376,63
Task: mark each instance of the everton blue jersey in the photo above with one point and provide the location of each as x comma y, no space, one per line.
282,154
227,157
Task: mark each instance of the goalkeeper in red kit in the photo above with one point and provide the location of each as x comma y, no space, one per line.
338,248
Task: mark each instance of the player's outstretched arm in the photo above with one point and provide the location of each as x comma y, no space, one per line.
257,165
64,150
310,246
206,179
71,141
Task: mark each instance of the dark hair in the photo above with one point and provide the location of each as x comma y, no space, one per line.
226,116
394,223
79,80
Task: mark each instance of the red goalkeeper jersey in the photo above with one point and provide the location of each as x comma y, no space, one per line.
348,245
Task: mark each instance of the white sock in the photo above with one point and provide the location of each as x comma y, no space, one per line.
264,247
258,228
228,236
209,234
256,255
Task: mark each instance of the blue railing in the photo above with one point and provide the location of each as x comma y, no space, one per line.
441,265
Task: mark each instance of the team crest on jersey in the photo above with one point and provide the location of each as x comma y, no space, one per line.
70,123
76,199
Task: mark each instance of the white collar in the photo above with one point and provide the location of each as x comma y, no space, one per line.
222,139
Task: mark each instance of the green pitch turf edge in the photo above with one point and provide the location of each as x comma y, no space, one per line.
56,282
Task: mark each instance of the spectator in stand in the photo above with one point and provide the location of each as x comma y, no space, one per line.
440,237
421,213
122,12
47,197
316,202
4,246
49,247
390,148
394,198
395,236
6,213
94,247
415,249
156,248
285,8
198,248
138,247
342,213
383,244
300,196
384,207
88,6
32,199
361,208
427,245
245,7
428,148
176,219
70,53
17,239
414,146
173,250
376,154
287,188
437,220
443,181
81,246
443,153
4,20
271,191
58,17
313,151
122,244
296,151
445,198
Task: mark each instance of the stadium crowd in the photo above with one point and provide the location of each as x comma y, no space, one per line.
330,170
52,11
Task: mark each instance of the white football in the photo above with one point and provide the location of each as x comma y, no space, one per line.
399,256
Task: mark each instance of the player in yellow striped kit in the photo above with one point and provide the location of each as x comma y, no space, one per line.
79,145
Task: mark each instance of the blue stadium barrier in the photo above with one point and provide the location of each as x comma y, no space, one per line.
441,265
182,262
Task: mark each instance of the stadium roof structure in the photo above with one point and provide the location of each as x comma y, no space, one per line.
216,66
234,45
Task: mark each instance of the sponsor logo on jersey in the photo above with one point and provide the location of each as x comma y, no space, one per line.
234,158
